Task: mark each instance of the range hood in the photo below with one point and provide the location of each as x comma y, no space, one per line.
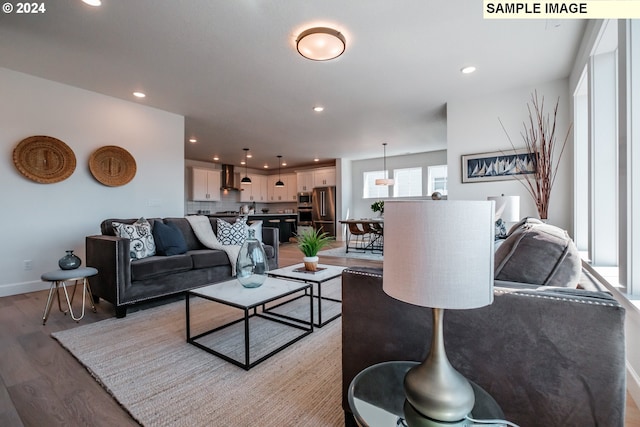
228,178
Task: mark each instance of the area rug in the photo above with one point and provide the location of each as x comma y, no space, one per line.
341,252
144,362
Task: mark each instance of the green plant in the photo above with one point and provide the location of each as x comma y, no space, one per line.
378,206
311,241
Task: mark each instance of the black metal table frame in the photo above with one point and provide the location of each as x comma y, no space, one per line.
251,311
319,298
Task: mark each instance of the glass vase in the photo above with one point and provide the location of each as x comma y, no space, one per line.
252,266
69,261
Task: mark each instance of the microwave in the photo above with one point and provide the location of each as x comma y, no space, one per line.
304,199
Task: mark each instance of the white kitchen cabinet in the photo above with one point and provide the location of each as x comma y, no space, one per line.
205,185
304,181
324,177
256,191
288,193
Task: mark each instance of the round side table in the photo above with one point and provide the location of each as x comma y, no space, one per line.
377,399
58,278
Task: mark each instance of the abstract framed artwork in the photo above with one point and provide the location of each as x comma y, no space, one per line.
496,165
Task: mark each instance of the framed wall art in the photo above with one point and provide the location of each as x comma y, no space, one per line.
496,165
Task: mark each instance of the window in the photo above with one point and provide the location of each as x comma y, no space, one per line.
437,179
369,188
408,182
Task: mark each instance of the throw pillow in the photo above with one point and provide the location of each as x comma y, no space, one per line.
169,239
257,226
142,244
231,234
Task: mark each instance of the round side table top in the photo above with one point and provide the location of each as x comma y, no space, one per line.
76,273
377,398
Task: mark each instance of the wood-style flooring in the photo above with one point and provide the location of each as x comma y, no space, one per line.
41,384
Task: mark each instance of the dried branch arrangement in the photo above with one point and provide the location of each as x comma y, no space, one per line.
539,137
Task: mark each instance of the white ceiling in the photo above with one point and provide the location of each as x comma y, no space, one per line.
231,68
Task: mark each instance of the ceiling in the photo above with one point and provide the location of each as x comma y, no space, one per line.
231,68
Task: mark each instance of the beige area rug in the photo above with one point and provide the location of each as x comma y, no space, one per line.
341,252
145,363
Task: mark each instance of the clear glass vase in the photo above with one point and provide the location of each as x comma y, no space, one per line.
252,266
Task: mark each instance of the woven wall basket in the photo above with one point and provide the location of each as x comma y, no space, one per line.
44,159
112,166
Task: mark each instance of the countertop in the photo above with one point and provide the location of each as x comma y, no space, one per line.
220,215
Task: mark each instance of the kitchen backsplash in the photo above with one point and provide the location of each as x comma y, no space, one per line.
229,202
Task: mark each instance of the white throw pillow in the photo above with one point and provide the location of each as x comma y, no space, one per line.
141,236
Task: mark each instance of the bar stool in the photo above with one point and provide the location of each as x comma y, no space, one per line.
291,222
58,278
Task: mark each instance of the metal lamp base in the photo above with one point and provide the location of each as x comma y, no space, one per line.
434,388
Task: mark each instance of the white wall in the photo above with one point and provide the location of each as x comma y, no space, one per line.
473,127
361,208
41,221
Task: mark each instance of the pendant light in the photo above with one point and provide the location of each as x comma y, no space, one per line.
246,180
386,180
279,183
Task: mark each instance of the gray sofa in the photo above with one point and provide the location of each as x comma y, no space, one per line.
124,282
551,351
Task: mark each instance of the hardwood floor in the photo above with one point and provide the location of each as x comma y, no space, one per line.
41,384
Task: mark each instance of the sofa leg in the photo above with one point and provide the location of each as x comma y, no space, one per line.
349,420
121,311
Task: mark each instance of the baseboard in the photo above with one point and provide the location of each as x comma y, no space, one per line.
633,384
22,288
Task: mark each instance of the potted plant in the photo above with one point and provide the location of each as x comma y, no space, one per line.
310,242
378,206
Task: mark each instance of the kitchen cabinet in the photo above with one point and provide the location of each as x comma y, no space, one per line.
324,177
282,194
256,191
205,185
304,181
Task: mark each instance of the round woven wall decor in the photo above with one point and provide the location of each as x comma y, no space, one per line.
44,159
112,166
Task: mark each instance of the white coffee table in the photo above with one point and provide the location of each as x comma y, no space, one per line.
324,274
233,294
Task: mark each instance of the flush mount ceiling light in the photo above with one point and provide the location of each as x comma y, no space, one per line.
320,43
386,180
246,180
279,182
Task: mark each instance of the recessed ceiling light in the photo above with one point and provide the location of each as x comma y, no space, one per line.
139,94
93,2
242,162
284,163
249,155
266,166
318,109
192,140
320,43
316,159
468,70
216,158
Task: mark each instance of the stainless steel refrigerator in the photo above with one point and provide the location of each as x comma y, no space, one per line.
324,209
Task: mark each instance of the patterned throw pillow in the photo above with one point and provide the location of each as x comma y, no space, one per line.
231,234
142,244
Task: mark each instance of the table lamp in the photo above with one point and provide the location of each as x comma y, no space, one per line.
439,254
507,207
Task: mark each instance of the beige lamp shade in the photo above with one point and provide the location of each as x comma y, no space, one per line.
507,207
439,254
